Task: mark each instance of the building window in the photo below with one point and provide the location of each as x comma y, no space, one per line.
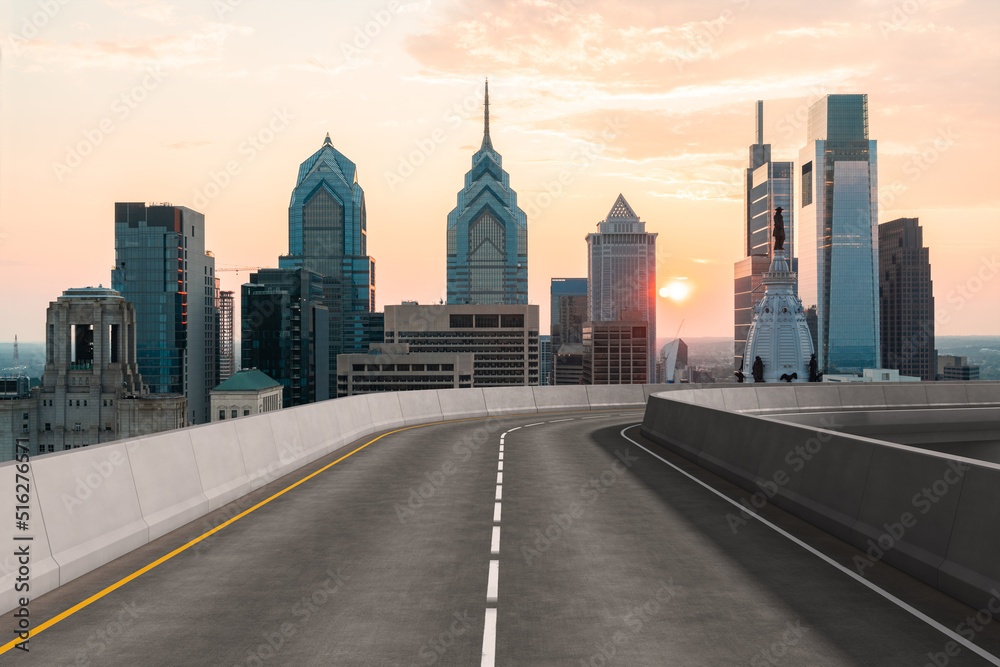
222,414
24,415
48,427
234,413
246,411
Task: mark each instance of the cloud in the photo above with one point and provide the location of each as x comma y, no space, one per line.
195,48
152,10
184,145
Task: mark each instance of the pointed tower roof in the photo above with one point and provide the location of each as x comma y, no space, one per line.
486,119
327,141
622,211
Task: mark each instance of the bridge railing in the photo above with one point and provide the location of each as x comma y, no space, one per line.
930,514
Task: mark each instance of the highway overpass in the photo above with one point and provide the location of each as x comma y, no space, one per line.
536,526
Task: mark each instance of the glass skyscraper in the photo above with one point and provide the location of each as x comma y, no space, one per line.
487,234
838,237
767,185
621,272
162,268
327,233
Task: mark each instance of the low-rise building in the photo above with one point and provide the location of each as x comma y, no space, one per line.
954,367
246,392
393,367
503,339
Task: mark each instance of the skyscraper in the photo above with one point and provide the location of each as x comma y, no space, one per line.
327,234
227,324
767,185
162,268
487,233
838,240
569,312
285,334
621,273
906,296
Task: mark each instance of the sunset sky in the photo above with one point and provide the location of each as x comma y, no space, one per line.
153,100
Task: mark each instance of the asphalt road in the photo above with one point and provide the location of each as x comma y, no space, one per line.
605,555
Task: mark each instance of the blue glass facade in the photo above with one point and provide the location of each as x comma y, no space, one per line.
162,268
327,234
838,237
487,234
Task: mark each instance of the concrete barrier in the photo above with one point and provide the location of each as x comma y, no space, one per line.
166,456
221,470
385,411
461,403
259,450
92,513
870,493
43,569
560,398
615,396
509,400
419,407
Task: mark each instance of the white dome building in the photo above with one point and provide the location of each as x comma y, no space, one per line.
779,334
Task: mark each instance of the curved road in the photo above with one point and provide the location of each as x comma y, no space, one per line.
549,539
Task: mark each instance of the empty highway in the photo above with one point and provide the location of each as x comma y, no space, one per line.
542,539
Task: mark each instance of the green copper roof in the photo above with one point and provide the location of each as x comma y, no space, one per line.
247,380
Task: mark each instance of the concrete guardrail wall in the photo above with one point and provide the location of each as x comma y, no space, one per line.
91,505
933,515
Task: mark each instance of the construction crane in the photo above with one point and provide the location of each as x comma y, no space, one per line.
239,268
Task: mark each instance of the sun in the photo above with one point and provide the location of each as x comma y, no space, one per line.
676,290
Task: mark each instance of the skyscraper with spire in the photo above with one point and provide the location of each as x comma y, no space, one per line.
767,185
487,233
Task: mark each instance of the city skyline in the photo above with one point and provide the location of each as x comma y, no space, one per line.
212,108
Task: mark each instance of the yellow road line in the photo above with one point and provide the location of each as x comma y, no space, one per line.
162,559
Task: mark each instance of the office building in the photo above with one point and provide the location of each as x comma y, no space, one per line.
954,367
91,390
617,352
163,269
545,360
837,235
906,299
621,273
568,311
503,339
285,332
227,334
247,392
767,186
567,363
393,367
328,234
487,233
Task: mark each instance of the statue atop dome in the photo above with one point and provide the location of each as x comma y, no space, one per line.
778,230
